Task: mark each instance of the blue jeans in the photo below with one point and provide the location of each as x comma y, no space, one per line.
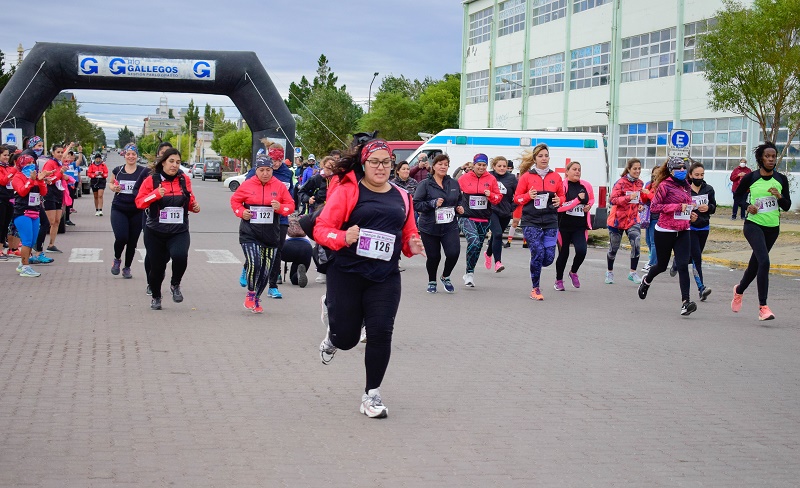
649,237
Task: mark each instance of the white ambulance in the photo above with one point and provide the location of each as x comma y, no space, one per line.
585,147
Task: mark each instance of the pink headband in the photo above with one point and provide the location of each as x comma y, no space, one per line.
372,146
275,153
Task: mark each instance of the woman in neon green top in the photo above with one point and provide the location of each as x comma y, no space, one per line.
768,195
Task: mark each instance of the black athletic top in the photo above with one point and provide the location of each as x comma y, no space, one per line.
125,199
573,222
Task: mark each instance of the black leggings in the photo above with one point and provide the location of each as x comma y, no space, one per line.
666,243
297,252
44,230
497,225
761,239
578,239
275,270
6,211
127,226
353,300
451,243
699,238
161,248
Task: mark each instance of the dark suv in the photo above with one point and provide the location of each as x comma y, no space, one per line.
212,169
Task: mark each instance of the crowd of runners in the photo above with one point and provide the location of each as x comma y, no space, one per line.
354,213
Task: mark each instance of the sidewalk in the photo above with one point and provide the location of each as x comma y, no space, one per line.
784,259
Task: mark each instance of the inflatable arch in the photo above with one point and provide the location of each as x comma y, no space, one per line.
50,68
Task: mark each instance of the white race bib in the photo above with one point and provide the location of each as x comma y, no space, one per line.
60,185
375,244
126,186
262,215
700,200
634,196
685,215
766,204
445,215
34,199
171,215
540,200
577,211
478,202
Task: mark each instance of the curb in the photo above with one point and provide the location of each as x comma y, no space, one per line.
779,269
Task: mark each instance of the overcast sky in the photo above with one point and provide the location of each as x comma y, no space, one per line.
414,38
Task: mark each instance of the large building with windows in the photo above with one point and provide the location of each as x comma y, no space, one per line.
632,74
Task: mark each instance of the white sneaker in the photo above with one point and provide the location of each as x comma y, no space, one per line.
96,213
20,267
363,339
372,406
326,347
28,272
101,213
646,268
321,278
468,280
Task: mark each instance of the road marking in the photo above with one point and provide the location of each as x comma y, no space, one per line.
220,256
85,255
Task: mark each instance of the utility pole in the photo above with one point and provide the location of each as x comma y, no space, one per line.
44,129
191,158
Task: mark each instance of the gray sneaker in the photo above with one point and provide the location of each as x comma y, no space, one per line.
326,347
126,273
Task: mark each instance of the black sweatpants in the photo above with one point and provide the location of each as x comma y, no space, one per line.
353,300
297,252
6,212
761,240
666,243
161,248
451,243
275,270
127,226
497,225
578,239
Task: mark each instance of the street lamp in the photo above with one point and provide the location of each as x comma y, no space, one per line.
369,98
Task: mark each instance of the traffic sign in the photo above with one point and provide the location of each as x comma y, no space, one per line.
680,142
12,137
298,152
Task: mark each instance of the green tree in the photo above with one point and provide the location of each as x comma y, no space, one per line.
192,118
221,127
298,95
65,124
171,114
5,76
752,61
124,136
182,143
325,77
335,108
439,104
395,115
237,144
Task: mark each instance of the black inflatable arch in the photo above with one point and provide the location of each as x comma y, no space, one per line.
50,68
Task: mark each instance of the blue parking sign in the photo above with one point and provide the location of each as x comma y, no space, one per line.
680,139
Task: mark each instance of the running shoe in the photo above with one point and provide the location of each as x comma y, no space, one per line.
15,252
20,267
28,272
431,287
363,338
736,303
633,276
646,268
250,300
469,281
257,306
326,347
115,267
53,249
321,279
448,285
155,304
100,213
3,256
559,286
487,261
498,267
69,222
643,287
536,294
576,283
42,259
177,296
609,277
764,313
372,406
302,278
704,293
126,273
688,307
149,290
96,213
507,245
279,280
274,293
524,244
243,278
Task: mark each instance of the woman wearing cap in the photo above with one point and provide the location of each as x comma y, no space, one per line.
501,213
769,194
540,192
437,200
479,192
126,218
98,173
256,202
574,224
624,218
167,196
30,187
366,222
673,202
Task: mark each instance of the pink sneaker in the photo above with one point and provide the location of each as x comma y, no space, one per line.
576,283
559,286
736,303
498,267
487,261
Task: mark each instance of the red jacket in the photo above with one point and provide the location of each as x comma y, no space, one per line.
624,214
342,198
552,184
148,195
97,171
735,176
58,175
23,185
6,177
567,206
471,184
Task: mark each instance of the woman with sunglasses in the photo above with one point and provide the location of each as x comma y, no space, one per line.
673,202
366,222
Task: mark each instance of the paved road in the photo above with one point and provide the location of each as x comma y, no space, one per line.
591,387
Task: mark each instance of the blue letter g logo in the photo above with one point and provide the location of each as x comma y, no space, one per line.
117,66
202,73
89,66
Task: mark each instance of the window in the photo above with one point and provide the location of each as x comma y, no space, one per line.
645,141
504,90
480,26
511,17
478,87
718,143
546,10
602,129
691,61
648,56
581,5
589,66
547,74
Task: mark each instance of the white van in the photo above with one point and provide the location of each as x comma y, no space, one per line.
586,147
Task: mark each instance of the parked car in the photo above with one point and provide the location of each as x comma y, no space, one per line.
197,169
212,169
85,181
233,182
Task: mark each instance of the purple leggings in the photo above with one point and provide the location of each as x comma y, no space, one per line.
542,243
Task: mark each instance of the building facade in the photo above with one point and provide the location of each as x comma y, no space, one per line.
160,122
626,68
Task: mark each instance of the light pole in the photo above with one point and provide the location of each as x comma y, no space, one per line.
369,98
